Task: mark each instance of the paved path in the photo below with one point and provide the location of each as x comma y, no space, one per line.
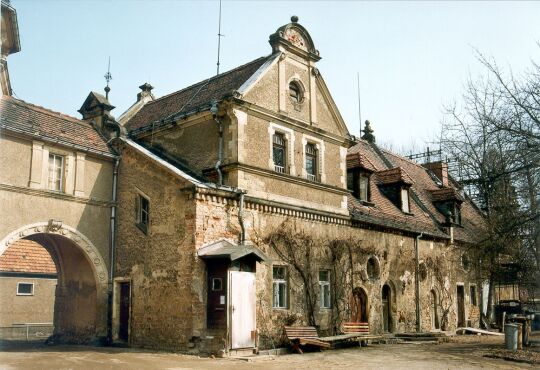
397,356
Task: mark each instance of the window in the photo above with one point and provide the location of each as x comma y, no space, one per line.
56,172
405,200
25,289
295,92
279,152
311,162
217,284
358,184
465,262
372,268
473,295
324,284
279,276
143,213
363,185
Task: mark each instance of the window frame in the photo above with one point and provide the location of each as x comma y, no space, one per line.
280,282
406,209
279,146
324,285
62,170
25,283
314,156
143,226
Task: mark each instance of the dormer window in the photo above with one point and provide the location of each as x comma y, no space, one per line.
395,184
405,200
279,150
358,184
448,201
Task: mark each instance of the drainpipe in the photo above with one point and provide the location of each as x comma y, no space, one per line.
241,194
214,110
416,282
112,247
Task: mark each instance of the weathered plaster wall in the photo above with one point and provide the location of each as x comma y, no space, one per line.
36,308
158,264
15,153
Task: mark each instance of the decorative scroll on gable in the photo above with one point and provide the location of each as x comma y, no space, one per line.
295,38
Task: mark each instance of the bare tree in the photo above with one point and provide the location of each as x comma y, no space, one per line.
494,137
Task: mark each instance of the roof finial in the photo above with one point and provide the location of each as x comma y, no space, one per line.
294,19
368,132
108,78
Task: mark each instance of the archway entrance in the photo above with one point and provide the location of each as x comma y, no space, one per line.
80,303
434,310
387,308
359,305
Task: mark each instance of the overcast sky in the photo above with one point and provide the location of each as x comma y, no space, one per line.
412,57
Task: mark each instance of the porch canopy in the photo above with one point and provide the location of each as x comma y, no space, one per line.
233,251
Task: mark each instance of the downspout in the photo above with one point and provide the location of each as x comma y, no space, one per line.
112,249
214,110
241,194
416,282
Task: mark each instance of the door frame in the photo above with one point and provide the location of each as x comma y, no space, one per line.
116,308
462,285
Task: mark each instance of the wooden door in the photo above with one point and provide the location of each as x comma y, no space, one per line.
461,305
243,324
216,310
434,311
125,302
387,309
359,311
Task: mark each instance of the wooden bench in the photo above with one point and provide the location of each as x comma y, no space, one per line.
360,330
302,336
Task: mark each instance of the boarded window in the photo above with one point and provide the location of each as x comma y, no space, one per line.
405,200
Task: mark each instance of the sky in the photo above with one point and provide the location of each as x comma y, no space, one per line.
412,58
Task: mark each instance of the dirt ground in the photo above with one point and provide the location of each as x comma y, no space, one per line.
464,352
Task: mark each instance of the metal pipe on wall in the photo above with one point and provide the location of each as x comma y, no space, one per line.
416,282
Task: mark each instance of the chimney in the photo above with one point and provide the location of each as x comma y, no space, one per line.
440,169
146,92
10,44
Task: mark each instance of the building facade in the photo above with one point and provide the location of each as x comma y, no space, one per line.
206,220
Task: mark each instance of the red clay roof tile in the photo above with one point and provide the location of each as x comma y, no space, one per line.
27,256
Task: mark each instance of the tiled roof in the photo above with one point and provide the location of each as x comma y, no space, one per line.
194,96
424,191
394,175
27,256
359,160
36,121
446,193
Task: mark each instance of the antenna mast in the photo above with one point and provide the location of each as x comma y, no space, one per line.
359,106
219,37
108,77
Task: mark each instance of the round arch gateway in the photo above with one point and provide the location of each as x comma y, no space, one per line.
80,310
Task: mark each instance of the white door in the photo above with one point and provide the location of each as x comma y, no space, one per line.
242,309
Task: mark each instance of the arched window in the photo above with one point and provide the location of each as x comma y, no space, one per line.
295,92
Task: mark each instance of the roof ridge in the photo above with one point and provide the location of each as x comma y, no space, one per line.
207,80
46,110
402,158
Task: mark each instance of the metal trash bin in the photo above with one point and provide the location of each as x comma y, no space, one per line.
511,336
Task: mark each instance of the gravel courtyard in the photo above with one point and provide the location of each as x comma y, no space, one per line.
463,353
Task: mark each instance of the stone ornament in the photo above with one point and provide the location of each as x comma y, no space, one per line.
82,242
